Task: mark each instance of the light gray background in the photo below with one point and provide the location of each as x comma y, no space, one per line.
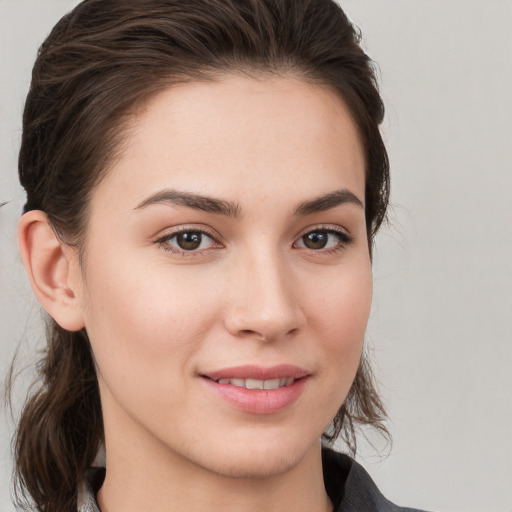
441,327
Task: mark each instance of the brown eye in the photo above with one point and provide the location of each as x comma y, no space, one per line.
192,241
189,240
316,239
324,239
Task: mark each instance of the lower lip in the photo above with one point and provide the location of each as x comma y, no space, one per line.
258,401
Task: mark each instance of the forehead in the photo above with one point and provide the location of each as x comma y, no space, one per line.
239,137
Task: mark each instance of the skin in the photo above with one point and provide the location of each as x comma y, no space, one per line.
252,293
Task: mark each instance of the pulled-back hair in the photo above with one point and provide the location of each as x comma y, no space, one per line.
99,63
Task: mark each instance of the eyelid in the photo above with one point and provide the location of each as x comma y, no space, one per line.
334,228
344,237
170,233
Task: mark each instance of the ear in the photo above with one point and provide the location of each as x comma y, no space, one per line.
52,269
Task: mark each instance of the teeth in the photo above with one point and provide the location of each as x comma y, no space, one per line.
258,384
272,384
254,384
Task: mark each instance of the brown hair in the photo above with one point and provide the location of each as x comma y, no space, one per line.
101,60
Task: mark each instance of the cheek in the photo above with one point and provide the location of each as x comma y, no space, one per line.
144,324
132,297
343,307
341,315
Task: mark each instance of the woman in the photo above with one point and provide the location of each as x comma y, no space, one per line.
204,182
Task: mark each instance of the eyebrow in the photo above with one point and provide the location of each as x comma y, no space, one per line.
328,201
233,209
195,201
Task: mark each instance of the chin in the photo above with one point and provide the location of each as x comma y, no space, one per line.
256,459
263,465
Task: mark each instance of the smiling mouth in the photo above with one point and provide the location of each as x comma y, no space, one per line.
257,389
258,384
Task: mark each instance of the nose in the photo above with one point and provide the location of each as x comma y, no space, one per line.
264,302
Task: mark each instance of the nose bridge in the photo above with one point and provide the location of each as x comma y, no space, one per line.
265,304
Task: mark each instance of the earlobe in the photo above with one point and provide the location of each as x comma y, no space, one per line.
51,267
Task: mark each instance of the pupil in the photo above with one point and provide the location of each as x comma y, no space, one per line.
188,241
316,240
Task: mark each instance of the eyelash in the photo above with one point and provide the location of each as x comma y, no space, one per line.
163,241
344,240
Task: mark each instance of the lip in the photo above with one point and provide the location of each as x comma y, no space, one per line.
258,372
258,401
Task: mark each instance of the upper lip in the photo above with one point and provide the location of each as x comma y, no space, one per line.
258,372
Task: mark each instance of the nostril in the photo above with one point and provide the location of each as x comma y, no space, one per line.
264,336
264,324
248,333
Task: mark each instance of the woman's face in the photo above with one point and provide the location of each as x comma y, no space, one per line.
227,250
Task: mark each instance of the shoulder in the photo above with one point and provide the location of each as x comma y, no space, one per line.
351,488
